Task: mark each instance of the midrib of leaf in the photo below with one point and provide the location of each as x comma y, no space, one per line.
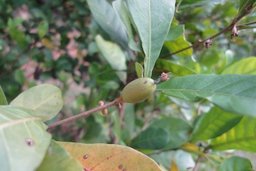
28,130
43,102
212,93
16,122
147,68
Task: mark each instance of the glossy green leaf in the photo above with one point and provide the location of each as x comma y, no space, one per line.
23,139
122,11
179,43
152,20
114,55
57,158
234,93
44,99
3,100
236,163
139,70
109,21
99,157
167,132
175,69
241,137
214,123
244,66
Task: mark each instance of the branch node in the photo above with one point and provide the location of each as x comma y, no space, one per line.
208,43
104,111
163,77
234,31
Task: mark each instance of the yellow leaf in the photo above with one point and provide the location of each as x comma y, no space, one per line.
99,157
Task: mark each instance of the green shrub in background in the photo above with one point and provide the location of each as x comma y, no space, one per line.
92,49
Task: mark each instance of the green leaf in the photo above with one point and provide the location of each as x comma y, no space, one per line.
214,123
109,21
151,138
175,32
242,137
114,55
179,43
15,33
3,100
58,159
45,100
152,20
236,163
175,69
244,66
23,139
167,132
234,93
99,157
123,12
139,70
19,76
42,28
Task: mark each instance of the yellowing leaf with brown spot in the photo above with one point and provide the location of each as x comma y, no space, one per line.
99,157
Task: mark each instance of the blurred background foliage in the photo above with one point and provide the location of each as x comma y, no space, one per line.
45,41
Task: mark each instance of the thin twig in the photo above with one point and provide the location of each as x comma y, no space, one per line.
198,43
85,114
247,24
226,29
197,163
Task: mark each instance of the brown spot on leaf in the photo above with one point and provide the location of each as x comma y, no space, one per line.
145,82
120,166
29,142
85,156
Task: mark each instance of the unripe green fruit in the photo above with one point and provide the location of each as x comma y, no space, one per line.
138,90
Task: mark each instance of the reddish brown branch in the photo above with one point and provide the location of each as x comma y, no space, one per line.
201,42
85,114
